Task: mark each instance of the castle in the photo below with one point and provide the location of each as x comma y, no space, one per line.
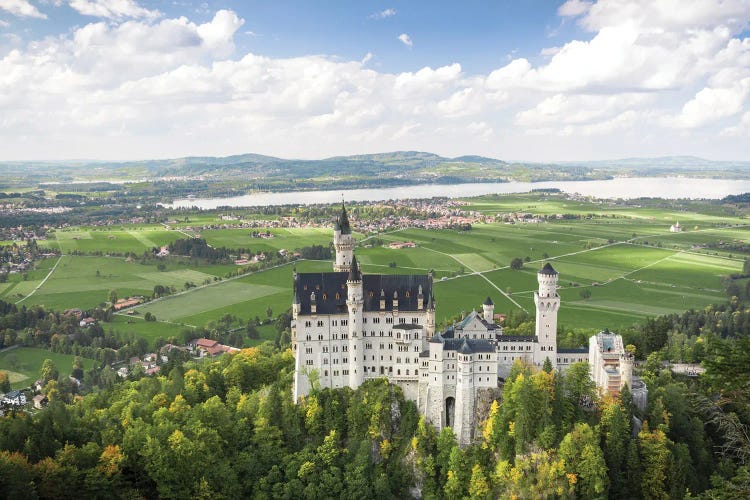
348,327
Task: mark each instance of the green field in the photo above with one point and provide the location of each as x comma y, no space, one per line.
24,364
625,256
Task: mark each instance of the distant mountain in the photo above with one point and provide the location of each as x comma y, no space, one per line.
662,162
253,171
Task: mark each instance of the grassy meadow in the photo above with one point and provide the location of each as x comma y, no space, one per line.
618,265
24,364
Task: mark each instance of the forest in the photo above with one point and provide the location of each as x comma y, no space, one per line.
228,428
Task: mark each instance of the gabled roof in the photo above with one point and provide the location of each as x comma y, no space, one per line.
548,270
464,345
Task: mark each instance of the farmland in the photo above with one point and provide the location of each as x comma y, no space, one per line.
24,364
618,264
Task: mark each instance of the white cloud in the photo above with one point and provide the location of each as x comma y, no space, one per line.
741,129
21,8
574,8
4,24
171,87
712,104
383,14
113,9
404,38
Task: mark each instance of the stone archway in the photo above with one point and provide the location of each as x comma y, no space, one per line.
450,411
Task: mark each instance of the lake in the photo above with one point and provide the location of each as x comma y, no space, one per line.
621,187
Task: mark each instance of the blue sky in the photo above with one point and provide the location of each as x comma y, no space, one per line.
532,80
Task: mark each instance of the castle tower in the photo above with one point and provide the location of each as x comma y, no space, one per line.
343,242
465,394
488,310
296,306
547,303
355,303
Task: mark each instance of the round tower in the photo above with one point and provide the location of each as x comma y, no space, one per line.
488,310
343,242
355,303
547,303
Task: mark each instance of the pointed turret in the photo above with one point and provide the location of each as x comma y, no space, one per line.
548,270
343,242
343,222
488,310
354,273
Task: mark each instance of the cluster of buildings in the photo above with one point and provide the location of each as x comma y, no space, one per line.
350,327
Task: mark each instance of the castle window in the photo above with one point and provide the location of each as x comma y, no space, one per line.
317,287
407,296
304,287
325,296
407,371
371,294
338,295
325,373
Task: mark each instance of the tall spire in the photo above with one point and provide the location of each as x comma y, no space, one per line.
343,222
354,274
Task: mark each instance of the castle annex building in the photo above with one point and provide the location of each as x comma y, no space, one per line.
348,327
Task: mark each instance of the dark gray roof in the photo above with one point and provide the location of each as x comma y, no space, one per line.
488,301
354,274
406,285
577,350
327,285
469,346
516,338
343,221
548,270
407,326
424,354
461,345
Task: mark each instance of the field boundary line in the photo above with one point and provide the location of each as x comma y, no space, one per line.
41,283
479,273
200,287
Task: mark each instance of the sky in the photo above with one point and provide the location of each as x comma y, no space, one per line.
531,80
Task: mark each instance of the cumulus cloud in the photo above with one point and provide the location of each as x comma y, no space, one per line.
406,40
113,9
383,14
21,8
166,87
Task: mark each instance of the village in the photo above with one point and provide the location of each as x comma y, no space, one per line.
34,397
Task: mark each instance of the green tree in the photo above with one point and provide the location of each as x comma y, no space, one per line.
656,461
615,433
478,484
580,451
113,296
77,368
516,263
49,371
